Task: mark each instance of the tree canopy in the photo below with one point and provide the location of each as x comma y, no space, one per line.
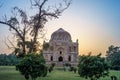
23,26
113,56
10,60
93,67
33,26
32,65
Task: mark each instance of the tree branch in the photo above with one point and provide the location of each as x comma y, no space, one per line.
12,28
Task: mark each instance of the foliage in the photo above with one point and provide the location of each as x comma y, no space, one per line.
45,46
113,56
51,67
23,25
9,59
93,67
32,65
113,77
67,64
73,69
53,64
33,26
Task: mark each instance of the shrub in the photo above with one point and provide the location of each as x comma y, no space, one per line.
75,69
45,72
32,65
71,68
115,67
50,68
53,65
67,64
93,67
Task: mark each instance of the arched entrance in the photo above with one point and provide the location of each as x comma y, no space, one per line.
69,58
60,59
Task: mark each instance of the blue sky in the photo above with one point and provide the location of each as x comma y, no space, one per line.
96,23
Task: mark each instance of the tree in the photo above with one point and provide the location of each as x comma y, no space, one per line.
24,25
10,59
93,67
45,46
113,56
32,65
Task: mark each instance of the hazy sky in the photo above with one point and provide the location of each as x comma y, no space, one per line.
96,23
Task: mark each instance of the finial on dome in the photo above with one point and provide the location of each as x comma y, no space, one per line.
61,29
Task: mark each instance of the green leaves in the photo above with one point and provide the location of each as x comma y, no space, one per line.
113,56
93,67
32,65
10,59
45,46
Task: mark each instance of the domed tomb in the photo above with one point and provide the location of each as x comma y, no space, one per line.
61,49
61,35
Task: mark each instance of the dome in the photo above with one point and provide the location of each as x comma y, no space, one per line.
61,35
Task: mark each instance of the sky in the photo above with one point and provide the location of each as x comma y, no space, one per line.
95,23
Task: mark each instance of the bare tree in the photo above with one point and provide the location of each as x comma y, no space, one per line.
24,25
20,25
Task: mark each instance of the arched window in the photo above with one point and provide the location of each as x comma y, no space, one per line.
51,58
60,52
69,58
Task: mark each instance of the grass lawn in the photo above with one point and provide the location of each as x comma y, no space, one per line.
9,73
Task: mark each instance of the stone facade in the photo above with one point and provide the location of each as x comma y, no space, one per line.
61,49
